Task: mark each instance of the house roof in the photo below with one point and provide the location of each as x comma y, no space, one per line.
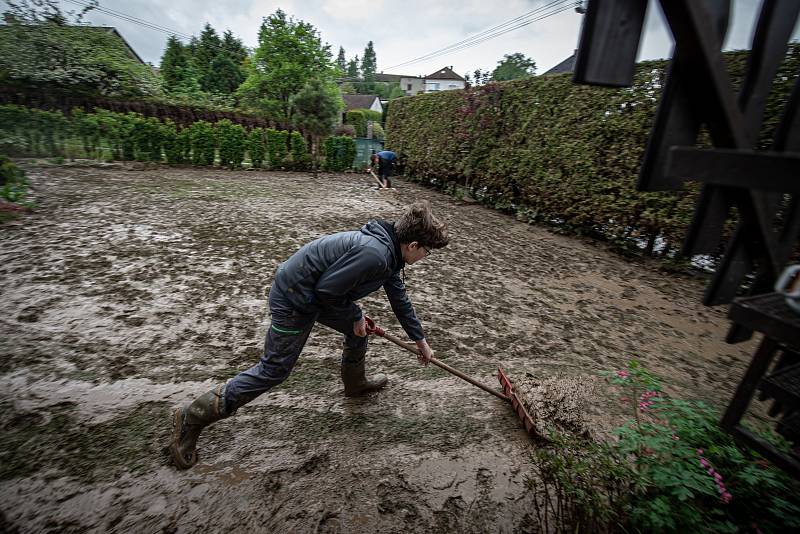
392,77
388,77
112,30
359,101
568,65
445,73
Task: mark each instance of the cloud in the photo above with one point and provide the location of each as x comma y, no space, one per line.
401,30
352,10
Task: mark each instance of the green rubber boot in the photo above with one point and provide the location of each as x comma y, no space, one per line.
354,376
189,421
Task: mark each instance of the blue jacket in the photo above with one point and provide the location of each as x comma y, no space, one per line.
334,271
387,155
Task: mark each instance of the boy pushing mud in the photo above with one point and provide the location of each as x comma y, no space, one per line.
320,283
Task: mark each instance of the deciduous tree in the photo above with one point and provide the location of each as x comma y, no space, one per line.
317,109
289,54
514,67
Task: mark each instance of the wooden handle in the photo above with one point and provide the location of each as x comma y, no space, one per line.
376,179
459,374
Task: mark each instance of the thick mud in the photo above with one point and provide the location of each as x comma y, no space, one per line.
131,291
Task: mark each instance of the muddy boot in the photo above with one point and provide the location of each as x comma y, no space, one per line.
354,377
189,421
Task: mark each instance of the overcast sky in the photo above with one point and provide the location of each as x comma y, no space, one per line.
401,30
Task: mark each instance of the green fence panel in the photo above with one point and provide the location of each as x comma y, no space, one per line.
364,149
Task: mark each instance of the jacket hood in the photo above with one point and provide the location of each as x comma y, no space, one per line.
384,232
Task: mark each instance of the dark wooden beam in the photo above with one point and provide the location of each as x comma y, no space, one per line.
778,172
609,42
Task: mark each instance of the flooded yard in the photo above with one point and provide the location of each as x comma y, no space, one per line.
131,290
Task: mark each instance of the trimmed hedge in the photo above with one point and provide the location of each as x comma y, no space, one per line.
340,151
551,151
301,159
358,120
204,143
129,136
232,138
13,183
277,149
256,147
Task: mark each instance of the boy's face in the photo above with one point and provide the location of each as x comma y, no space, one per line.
413,252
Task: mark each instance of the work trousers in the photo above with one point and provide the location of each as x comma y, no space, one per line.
385,172
286,337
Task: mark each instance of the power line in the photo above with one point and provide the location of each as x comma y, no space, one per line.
478,35
130,18
487,38
546,11
494,35
146,24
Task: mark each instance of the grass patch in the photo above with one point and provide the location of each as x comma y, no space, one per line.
102,452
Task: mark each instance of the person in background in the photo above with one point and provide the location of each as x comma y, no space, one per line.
385,161
320,283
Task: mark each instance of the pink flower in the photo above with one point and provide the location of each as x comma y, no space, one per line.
622,374
724,494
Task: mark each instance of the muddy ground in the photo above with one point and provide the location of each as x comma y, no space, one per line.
132,290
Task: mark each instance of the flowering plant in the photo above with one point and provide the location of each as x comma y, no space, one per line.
670,469
691,471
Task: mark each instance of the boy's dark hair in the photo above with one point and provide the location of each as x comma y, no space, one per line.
419,224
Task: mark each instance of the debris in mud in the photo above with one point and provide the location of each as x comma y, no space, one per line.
558,401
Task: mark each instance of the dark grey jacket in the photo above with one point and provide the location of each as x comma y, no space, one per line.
334,271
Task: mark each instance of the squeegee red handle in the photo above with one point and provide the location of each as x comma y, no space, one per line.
372,328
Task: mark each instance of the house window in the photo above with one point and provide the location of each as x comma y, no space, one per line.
452,86
408,87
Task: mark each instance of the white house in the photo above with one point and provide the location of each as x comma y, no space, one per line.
445,79
411,85
362,102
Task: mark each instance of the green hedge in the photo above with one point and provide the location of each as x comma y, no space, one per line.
32,132
340,151
551,151
172,147
232,144
359,118
130,136
277,149
13,183
301,159
204,143
256,147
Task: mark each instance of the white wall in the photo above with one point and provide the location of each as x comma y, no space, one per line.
417,85
432,85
